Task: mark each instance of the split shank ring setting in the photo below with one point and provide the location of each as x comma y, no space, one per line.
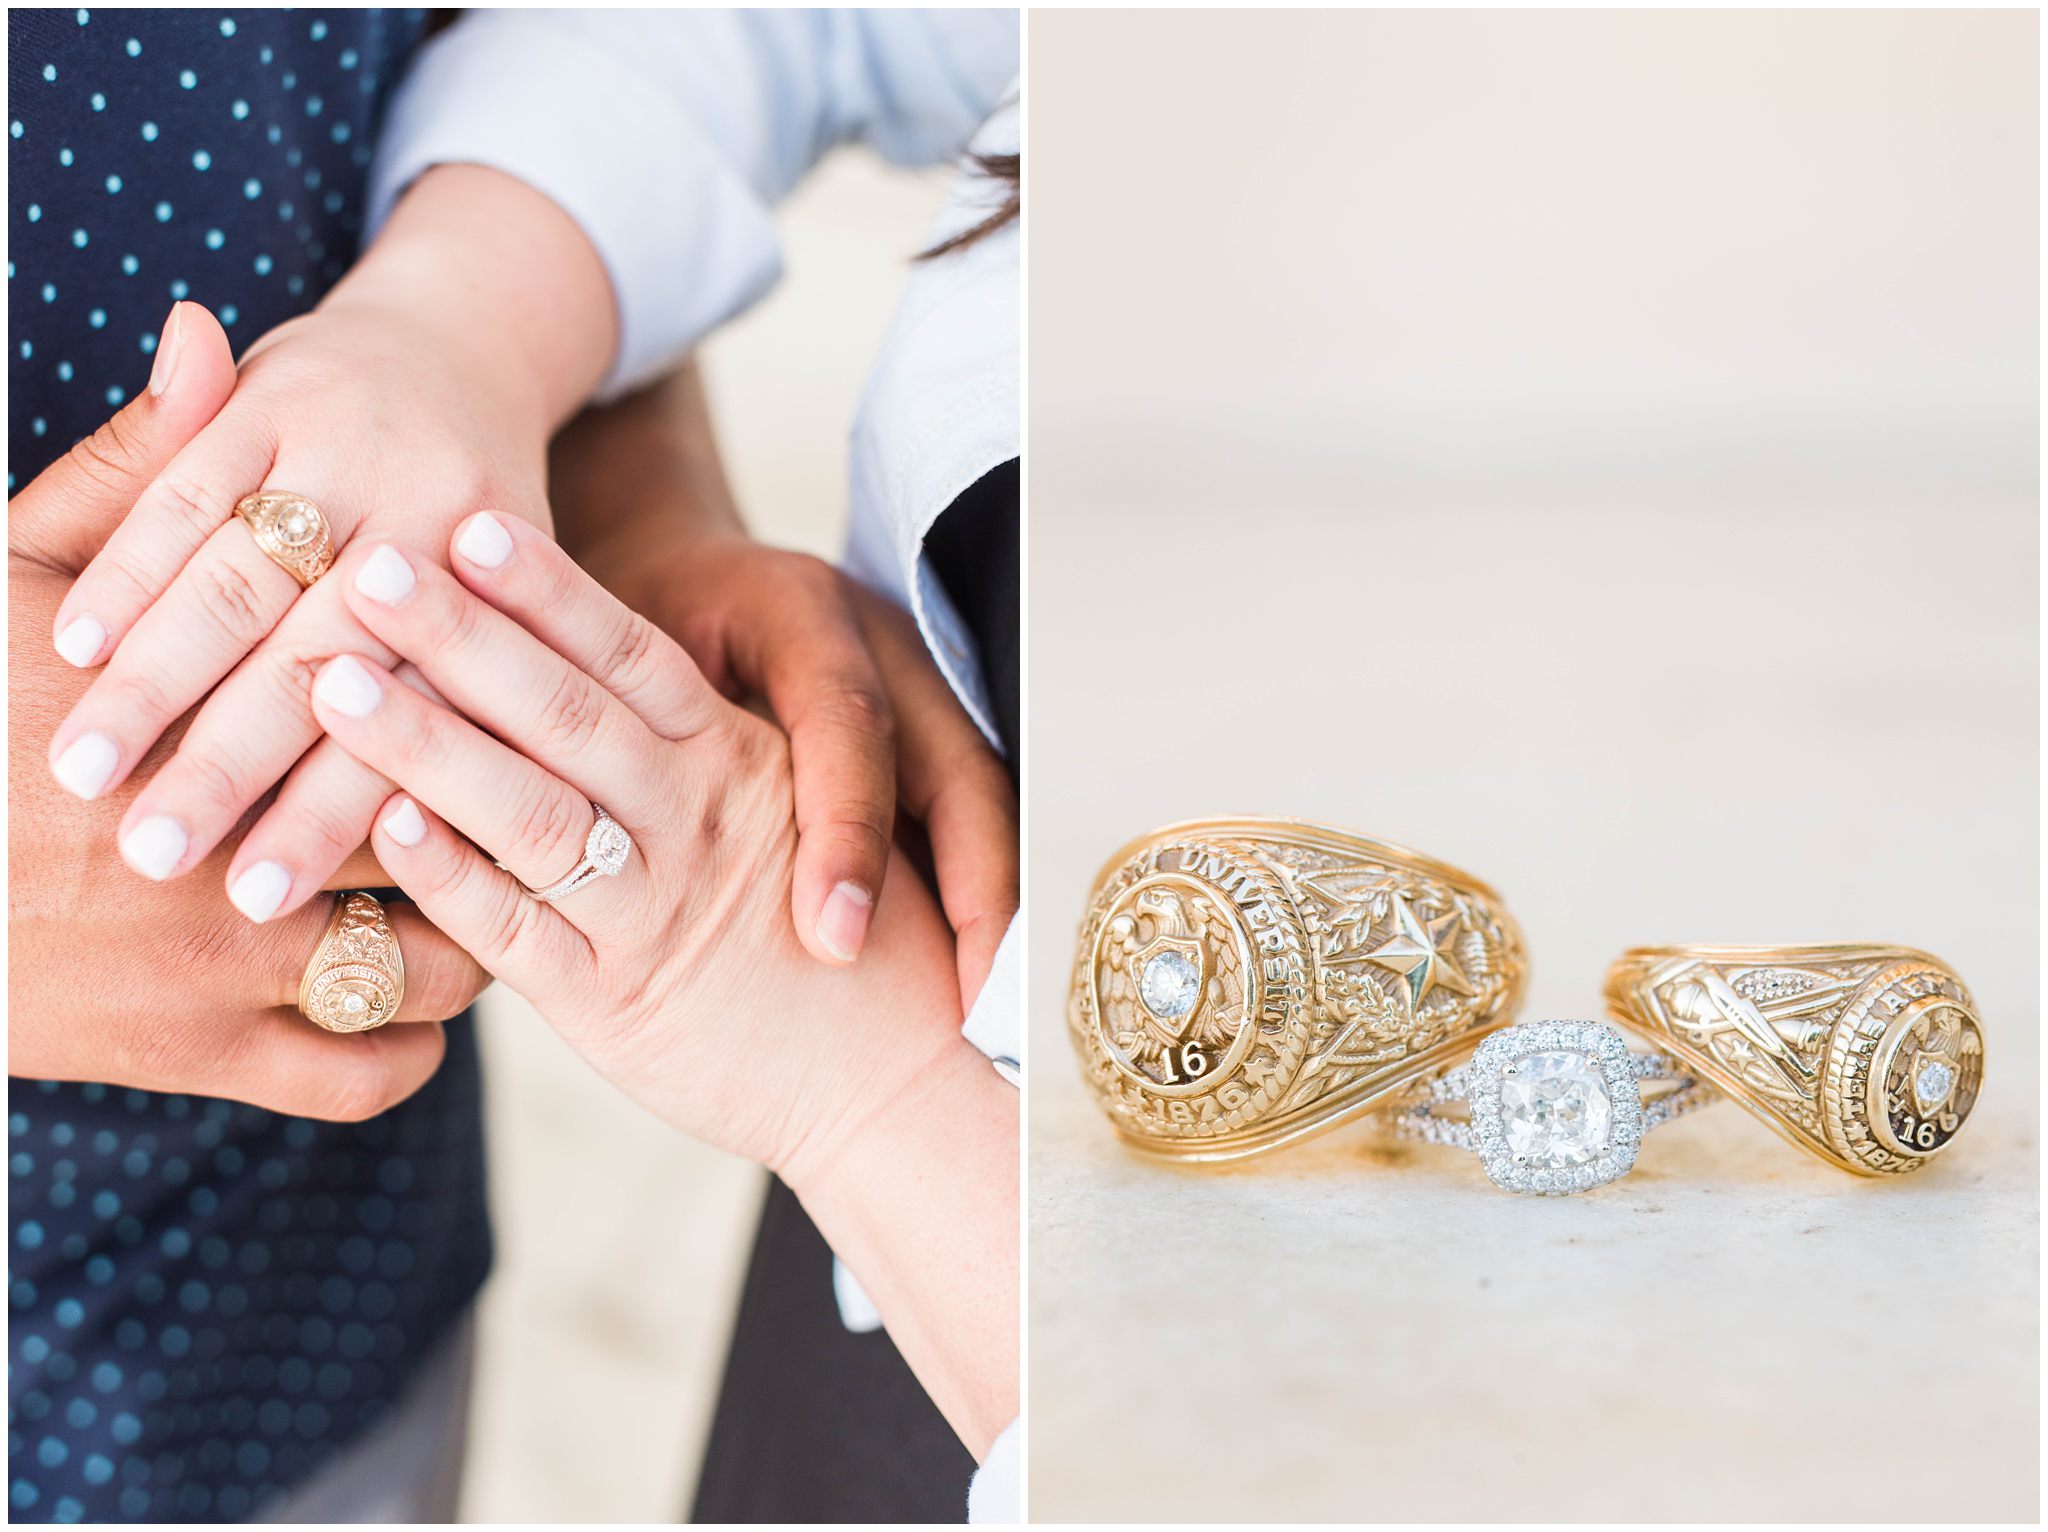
291,530
1552,1107
1242,984
605,850
356,976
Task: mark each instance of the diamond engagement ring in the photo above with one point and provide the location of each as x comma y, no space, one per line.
291,531
605,851
1869,1057
1241,984
1553,1107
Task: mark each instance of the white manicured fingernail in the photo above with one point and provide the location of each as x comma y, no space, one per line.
259,891
348,688
87,765
404,825
385,577
155,846
81,640
484,541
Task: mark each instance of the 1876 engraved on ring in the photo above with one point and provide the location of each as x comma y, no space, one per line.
1240,984
1870,1057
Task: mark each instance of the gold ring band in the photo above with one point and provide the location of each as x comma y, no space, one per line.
356,977
291,530
1870,1057
1242,984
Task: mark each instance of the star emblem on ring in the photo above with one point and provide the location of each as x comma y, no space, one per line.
1420,952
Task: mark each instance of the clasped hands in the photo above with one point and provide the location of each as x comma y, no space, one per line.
457,672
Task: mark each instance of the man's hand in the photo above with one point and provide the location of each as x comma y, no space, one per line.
642,502
114,980
871,722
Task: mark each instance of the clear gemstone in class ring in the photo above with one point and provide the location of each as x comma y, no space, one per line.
1170,985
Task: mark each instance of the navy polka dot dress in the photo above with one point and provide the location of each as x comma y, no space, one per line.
208,1301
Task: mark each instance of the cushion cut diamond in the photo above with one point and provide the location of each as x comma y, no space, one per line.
1169,985
608,847
1555,1109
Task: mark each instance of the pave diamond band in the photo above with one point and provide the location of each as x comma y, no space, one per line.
605,850
1553,1107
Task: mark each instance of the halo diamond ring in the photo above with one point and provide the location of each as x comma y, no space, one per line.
605,850
1555,1107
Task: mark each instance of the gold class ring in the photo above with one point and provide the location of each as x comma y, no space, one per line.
356,977
1242,984
291,531
1870,1057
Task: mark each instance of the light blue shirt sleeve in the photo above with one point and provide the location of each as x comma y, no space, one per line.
669,135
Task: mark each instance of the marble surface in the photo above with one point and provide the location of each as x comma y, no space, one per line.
1366,1323
1644,521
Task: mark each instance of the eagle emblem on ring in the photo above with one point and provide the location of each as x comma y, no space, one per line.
1172,968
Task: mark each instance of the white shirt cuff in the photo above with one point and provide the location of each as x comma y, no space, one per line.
996,1024
857,1310
996,1493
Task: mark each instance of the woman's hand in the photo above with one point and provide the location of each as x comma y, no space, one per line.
424,388
680,978
113,982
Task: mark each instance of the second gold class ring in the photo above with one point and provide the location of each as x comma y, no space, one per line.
1242,984
1870,1057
